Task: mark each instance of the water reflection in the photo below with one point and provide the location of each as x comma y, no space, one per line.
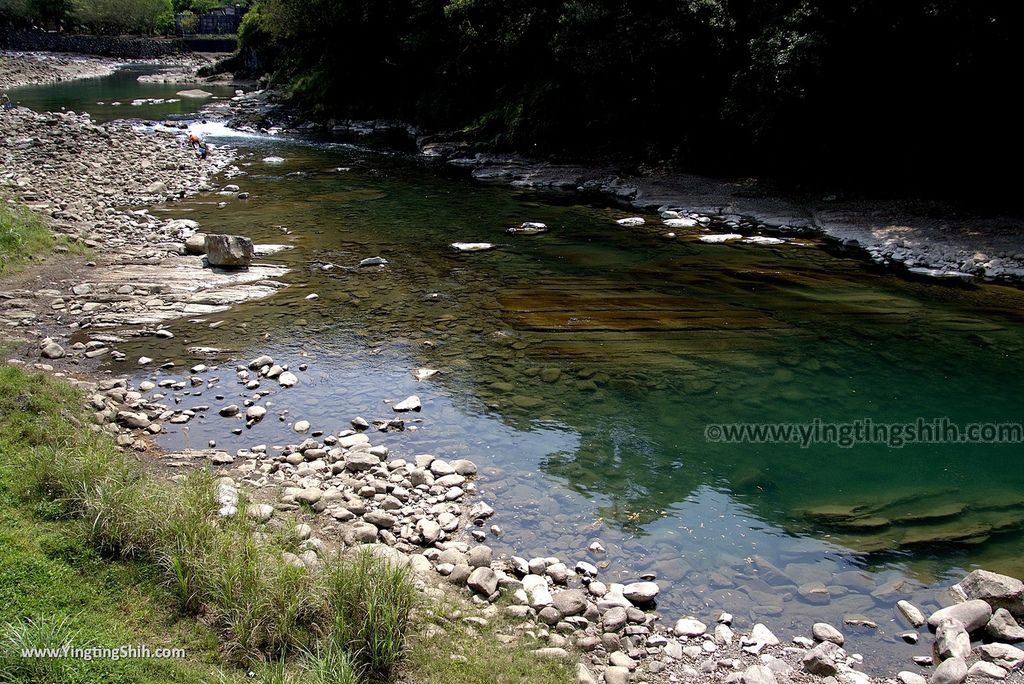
580,368
111,97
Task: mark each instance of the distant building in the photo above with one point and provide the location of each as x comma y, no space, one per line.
220,21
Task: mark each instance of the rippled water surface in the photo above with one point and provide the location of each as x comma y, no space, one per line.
581,367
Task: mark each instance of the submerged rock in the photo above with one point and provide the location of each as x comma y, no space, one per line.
472,246
409,404
423,373
631,221
528,229
723,237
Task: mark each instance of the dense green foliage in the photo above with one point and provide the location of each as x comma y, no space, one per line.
94,16
103,16
867,89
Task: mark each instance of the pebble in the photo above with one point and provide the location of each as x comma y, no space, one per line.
260,512
1004,627
483,580
987,670
641,593
1004,655
617,675
951,640
907,677
689,627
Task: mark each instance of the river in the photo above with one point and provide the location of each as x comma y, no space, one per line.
581,369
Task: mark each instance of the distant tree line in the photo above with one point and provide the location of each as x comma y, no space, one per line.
102,16
871,91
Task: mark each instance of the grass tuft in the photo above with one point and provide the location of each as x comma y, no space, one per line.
345,622
371,600
23,236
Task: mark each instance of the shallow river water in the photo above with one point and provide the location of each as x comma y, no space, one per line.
581,369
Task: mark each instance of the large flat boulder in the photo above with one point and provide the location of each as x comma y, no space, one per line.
229,251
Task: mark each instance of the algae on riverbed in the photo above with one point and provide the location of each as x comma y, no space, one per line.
586,362
581,366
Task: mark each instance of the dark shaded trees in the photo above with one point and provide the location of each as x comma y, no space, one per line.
861,91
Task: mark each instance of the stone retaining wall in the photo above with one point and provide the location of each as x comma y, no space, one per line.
123,47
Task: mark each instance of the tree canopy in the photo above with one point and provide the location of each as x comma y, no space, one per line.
863,89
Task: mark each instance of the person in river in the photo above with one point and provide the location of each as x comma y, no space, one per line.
198,146
7,104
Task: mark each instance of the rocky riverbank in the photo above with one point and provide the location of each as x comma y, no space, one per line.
926,239
24,68
422,512
35,68
417,510
79,176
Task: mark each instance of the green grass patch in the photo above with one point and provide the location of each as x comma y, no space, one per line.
25,238
56,588
96,552
453,652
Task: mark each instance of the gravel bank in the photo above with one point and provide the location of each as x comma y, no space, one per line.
24,68
930,239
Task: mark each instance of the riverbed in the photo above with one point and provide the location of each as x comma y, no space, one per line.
582,367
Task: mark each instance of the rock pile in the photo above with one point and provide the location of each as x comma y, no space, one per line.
77,175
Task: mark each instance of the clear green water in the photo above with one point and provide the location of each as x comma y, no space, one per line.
580,368
99,95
